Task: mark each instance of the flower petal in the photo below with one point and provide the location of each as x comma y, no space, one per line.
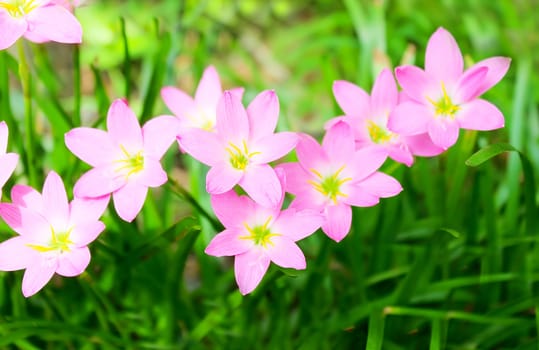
27,197
443,58
123,127
409,118
25,222
8,163
262,185
232,119
12,29
229,243
310,153
263,113
384,94
381,185
415,83
87,210
480,115
99,181
179,103
4,132
15,254
55,23
339,220
359,197
338,143
469,84
422,145
85,233
364,162
352,99
92,146
202,145
209,88
55,203
158,134
497,68
249,269
298,224
443,132
221,178
400,152
129,199
296,177
273,147
285,253
37,275
232,210
152,175
73,263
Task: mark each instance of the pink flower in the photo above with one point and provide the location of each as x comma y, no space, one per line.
52,234
333,177
369,115
37,21
242,146
126,160
8,161
199,112
443,97
256,235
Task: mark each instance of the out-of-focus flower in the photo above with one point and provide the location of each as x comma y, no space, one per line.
8,161
126,159
53,234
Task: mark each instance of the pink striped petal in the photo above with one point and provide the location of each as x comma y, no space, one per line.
229,243
249,269
73,263
443,132
87,210
273,146
85,233
209,88
15,254
232,119
55,23
25,222
480,115
285,253
338,143
204,146
92,146
232,210
221,178
8,163
55,203
296,177
310,153
469,84
27,197
152,175
415,83
298,224
123,127
497,68
12,29
37,275
339,220
422,145
159,133
262,185
263,114
384,94
179,103
128,200
381,185
99,181
409,118
443,58
352,99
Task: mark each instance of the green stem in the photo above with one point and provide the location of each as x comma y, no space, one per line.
76,86
26,83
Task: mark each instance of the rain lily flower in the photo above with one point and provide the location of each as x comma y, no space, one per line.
256,235
200,111
242,146
126,159
53,234
8,161
37,21
368,116
443,98
335,176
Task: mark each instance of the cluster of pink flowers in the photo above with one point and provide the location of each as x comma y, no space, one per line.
238,145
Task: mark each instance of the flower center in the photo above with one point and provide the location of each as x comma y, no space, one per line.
260,235
379,134
330,186
239,158
444,106
131,164
18,8
59,242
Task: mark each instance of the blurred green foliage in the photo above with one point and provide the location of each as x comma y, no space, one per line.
451,263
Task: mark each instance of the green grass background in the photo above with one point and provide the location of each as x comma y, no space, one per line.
450,263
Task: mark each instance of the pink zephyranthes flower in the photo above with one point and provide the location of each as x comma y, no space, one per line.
369,115
240,149
200,111
443,98
333,177
126,159
8,161
53,234
38,21
256,235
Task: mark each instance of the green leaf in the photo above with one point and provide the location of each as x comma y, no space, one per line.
487,153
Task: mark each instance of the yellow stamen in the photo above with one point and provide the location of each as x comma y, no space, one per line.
59,242
239,158
19,8
132,163
330,186
260,235
378,133
444,106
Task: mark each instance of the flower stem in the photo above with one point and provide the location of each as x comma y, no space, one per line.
76,86
26,83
